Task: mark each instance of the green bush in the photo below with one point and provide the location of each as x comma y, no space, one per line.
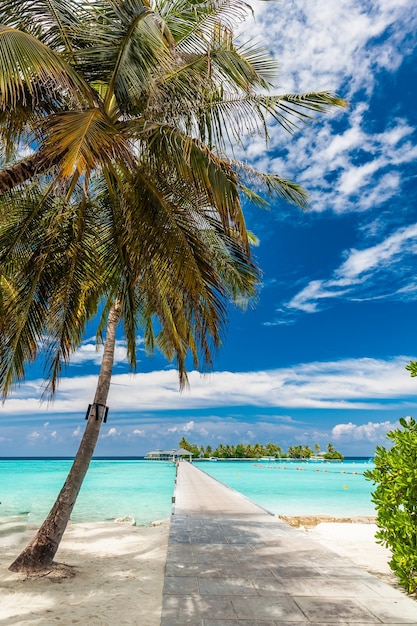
395,497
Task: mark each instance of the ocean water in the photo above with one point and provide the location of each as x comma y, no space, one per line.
300,487
111,489
144,489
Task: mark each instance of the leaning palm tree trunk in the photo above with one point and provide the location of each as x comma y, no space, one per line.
40,552
19,173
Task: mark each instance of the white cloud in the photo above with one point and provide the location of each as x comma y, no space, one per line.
112,432
327,165
162,430
184,428
341,47
324,44
372,431
307,299
364,268
34,436
345,384
37,437
90,352
403,241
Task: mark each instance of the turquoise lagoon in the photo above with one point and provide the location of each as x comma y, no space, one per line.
111,489
144,489
300,487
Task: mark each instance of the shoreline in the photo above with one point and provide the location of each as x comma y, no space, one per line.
310,521
113,573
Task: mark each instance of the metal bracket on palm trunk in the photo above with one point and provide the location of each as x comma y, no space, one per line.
96,406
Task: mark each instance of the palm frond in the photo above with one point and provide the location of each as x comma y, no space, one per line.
264,66
23,309
57,281
237,70
84,141
75,276
229,120
219,71
191,22
174,153
273,185
195,322
126,55
54,22
28,66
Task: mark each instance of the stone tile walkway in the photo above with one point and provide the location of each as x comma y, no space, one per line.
232,563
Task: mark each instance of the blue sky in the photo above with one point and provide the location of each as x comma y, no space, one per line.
321,357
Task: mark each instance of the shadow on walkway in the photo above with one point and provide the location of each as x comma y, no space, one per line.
230,562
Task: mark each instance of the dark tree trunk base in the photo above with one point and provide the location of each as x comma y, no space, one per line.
56,571
36,558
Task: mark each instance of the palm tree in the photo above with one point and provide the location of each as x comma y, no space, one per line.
125,199
258,450
296,452
307,452
54,280
273,449
96,85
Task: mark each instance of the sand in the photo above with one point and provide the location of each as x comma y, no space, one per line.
350,537
357,543
116,577
117,572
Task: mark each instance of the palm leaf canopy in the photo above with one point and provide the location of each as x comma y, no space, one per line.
117,125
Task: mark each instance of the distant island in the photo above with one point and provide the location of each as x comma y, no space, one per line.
258,450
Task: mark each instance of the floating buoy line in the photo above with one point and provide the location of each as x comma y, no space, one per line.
303,469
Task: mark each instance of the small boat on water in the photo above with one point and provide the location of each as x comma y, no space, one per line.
213,458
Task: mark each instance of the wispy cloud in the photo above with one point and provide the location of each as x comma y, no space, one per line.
165,431
356,161
345,384
366,272
90,352
335,39
357,170
344,161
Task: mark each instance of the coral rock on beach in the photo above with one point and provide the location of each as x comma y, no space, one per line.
309,521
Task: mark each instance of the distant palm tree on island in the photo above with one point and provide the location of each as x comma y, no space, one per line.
117,192
257,450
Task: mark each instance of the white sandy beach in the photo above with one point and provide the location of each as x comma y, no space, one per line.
357,543
118,578
353,538
119,573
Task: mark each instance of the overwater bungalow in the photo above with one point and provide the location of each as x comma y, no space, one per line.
169,455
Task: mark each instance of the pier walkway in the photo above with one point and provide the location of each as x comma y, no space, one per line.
231,563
